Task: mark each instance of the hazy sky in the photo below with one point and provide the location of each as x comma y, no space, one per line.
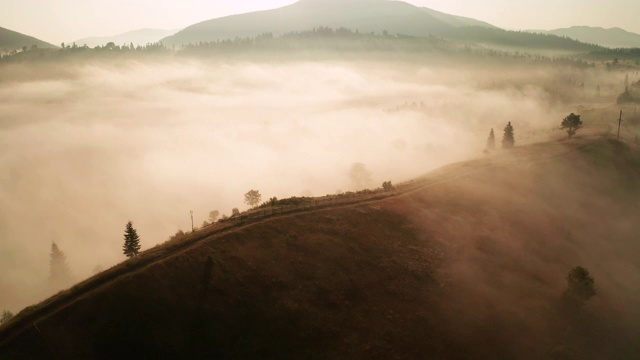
68,20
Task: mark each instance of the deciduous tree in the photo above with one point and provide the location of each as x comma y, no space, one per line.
360,176
571,123
213,216
252,198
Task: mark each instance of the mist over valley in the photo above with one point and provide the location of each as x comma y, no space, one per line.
388,221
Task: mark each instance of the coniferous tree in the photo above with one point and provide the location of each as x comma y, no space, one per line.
131,241
59,273
491,141
508,140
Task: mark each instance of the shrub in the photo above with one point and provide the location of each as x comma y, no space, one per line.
178,234
580,286
387,186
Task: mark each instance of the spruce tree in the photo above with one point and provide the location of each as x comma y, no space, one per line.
59,274
508,140
491,141
131,241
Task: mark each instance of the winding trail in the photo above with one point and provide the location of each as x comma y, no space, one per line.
25,323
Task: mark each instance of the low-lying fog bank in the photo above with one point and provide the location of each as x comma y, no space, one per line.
83,150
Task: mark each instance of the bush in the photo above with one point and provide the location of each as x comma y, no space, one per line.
387,186
580,286
625,97
292,201
178,234
235,212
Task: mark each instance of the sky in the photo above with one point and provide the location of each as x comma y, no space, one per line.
69,20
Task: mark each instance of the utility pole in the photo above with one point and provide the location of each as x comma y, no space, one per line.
191,214
619,124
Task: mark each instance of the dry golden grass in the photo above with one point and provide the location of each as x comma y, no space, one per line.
466,262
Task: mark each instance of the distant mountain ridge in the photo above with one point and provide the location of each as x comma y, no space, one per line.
613,38
362,15
137,37
12,40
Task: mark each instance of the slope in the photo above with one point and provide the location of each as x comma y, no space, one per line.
447,268
518,39
11,40
363,15
613,38
136,37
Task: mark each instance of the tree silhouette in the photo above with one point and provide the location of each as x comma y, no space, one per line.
508,140
360,176
6,316
252,198
213,216
491,141
625,97
580,286
59,273
571,123
131,245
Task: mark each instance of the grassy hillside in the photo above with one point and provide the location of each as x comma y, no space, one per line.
470,264
11,40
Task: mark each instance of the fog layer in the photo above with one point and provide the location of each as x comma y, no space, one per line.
85,149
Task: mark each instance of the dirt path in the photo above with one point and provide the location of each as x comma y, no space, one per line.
28,319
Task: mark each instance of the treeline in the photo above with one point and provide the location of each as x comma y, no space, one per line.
628,54
76,51
318,42
519,39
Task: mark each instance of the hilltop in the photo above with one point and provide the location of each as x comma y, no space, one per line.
139,37
448,266
12,40
394,17
612,38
